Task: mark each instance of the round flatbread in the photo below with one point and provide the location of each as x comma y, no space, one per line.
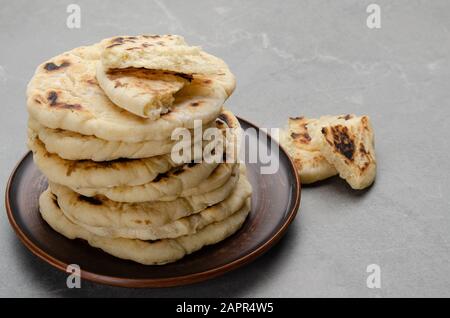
86,173
153,220
144,252
64,94
176,183
74,146
167,53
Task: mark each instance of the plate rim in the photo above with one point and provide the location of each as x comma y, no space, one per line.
168,281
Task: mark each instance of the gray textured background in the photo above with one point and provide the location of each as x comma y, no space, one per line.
290,58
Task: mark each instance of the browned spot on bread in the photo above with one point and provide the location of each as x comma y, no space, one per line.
147,222
207,81
146,45
118,39
53,67
138,221
37,101
298,163
119,84
346,117
192,164
160,176
341,140
195,104
166,113
365,166
185,76
121,40
178,171
297,118
113,45
362,149
301,137
365,123
92,81
152,36
133,48
90,200
52,99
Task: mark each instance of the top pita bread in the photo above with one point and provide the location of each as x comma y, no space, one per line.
143,73
64,93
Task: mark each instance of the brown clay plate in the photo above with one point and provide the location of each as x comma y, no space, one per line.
275,201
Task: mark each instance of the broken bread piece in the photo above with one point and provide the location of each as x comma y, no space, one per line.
348,144
146,93
157,52
311,165
146,74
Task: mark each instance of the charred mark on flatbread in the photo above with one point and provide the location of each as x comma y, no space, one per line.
197,103
50,66
346,117
160,176
192,164
90,200
113,45
178,171
52,99
121,40
297,118
302,137
92,81
226,119
151,36
341,140
182,75
119,84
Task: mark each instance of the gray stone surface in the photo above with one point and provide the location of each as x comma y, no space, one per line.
290,58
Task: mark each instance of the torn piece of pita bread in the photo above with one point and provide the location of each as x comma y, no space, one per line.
348,144
305,152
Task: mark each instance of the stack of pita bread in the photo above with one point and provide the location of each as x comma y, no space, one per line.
101,124
331,145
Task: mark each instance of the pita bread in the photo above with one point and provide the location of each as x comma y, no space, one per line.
74,146
144,252
153,220
174,183
85,173
304,149
348,144
64,94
